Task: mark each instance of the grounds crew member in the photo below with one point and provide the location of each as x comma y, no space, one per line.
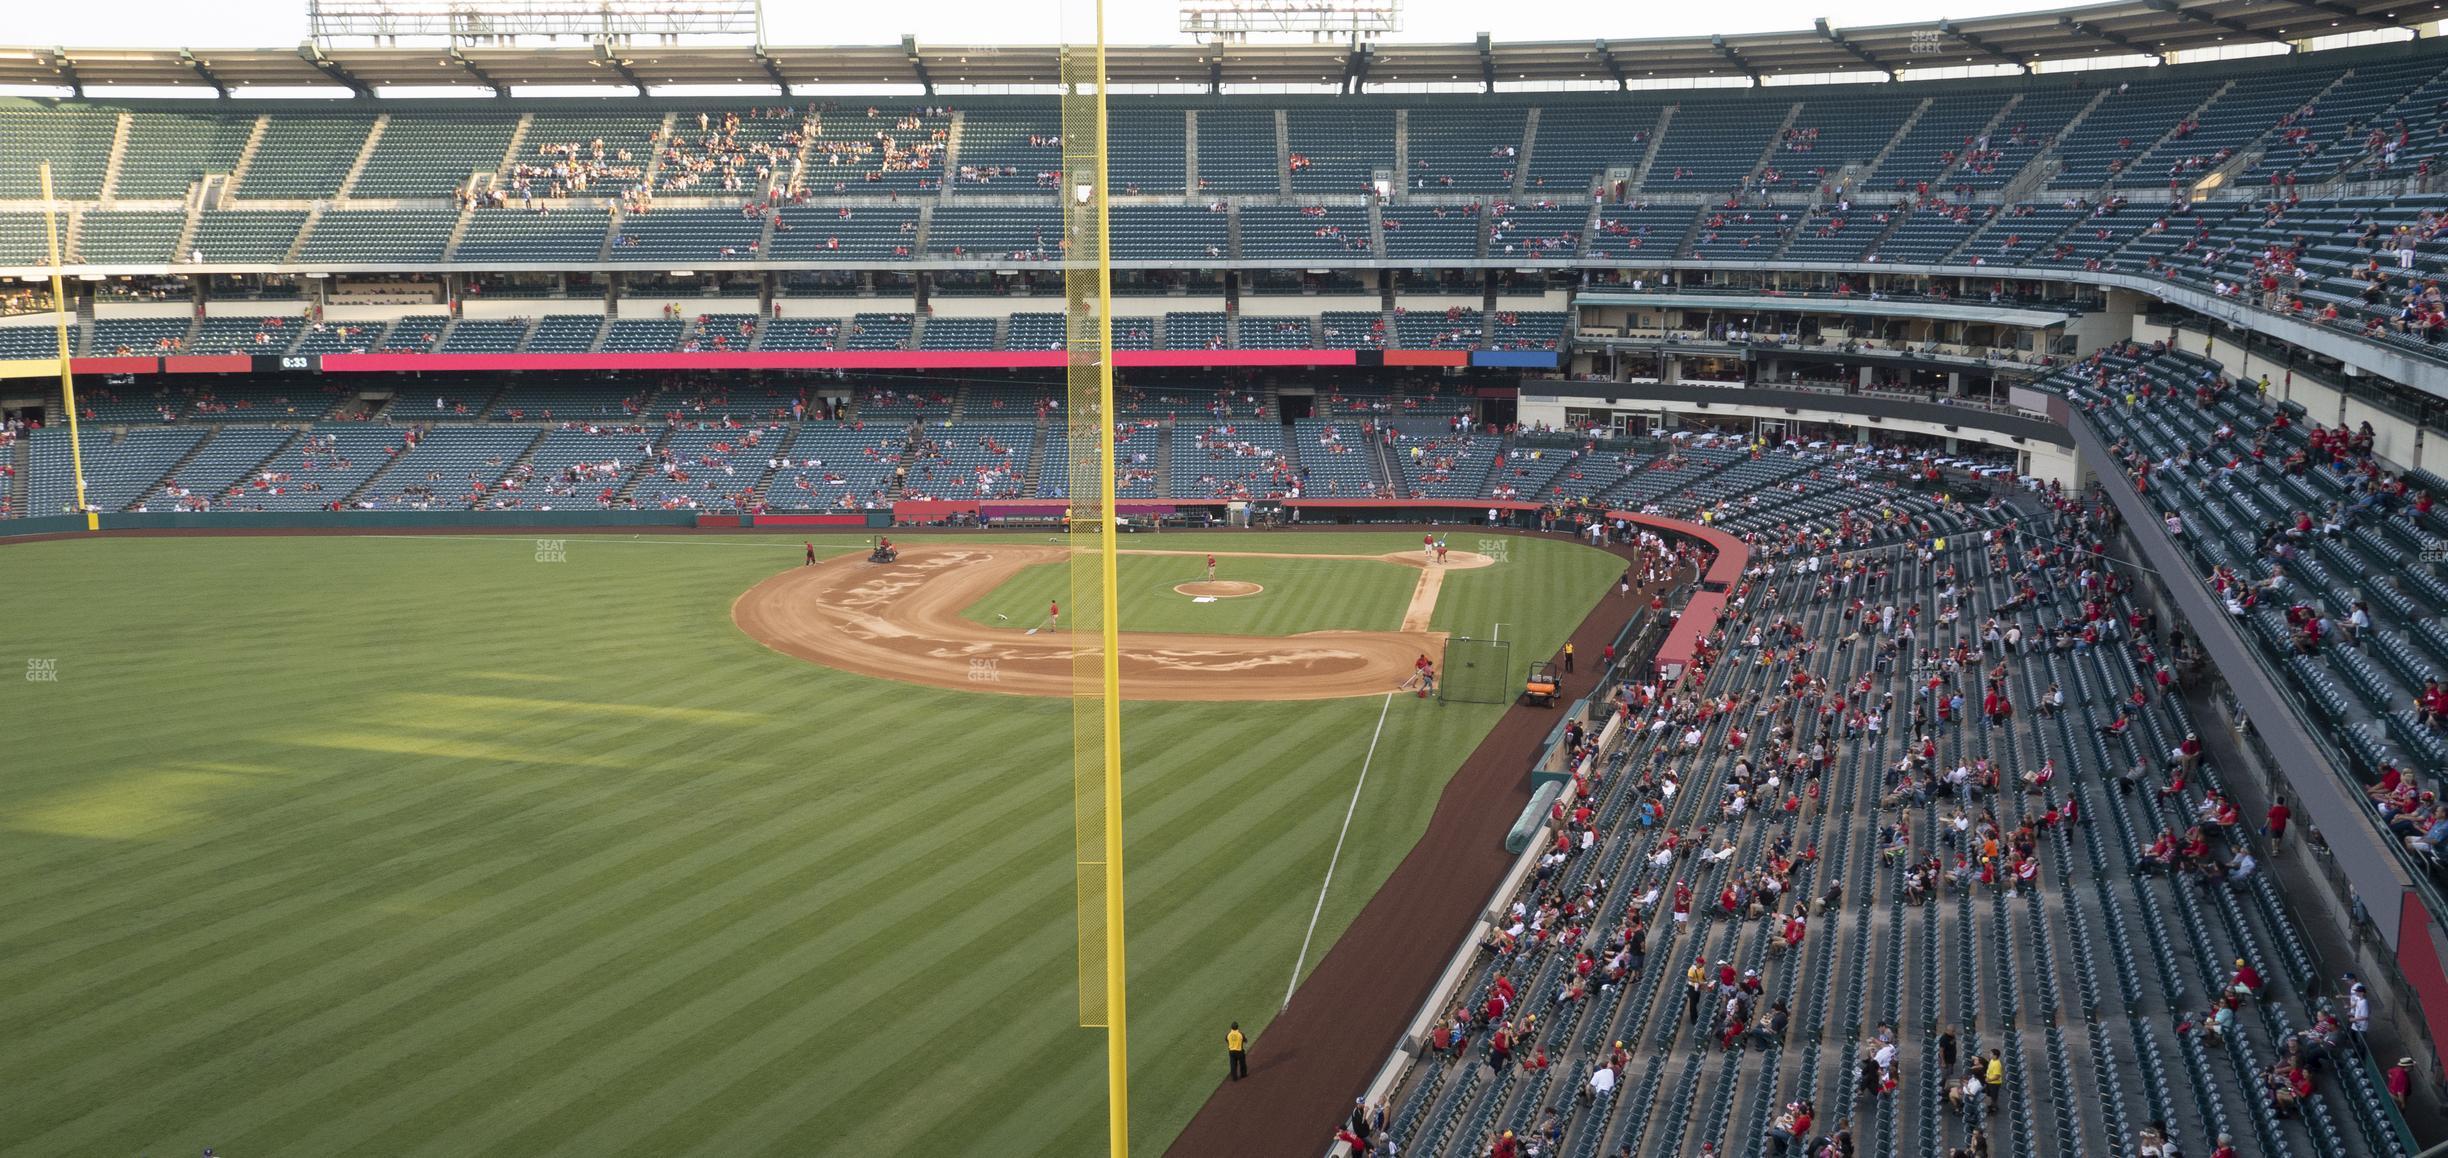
1236,1050
1568,654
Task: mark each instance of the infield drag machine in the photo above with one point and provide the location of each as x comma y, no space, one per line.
884,551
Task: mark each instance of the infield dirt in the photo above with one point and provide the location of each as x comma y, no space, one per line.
902,621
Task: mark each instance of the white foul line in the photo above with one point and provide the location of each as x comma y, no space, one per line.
1338,853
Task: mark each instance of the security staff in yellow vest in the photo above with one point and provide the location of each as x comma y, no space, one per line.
1236,1048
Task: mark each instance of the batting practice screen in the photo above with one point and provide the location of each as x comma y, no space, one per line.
1478,671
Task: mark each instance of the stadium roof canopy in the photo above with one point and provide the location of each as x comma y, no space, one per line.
2124,28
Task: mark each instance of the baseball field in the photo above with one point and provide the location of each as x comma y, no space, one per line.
485,845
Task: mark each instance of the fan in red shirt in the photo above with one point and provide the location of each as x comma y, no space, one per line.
2247,980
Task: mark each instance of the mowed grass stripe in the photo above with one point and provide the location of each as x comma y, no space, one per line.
748,1050
464,801
592,1026
887,1003
534,920
364,950
826,1090
182,848
309,926
200,694
1223,956
760,886
234,899
717,973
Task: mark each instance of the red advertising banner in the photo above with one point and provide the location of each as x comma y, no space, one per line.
832,360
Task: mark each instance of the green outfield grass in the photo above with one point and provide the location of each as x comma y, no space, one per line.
1300,594
420,846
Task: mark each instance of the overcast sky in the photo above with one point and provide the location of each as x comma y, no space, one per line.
274,23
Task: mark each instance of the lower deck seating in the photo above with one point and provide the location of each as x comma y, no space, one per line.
838,466
972,460
1336,458
118,469
319,470
2076,967
228,459
571,468
1440,462
707,468
1241,460
450,468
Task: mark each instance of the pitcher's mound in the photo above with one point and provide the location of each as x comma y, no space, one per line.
1219,588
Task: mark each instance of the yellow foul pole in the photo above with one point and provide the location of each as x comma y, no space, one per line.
59,321
1117,1032
1096,672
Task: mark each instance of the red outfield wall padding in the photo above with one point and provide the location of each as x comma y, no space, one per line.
928,510
2419,958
